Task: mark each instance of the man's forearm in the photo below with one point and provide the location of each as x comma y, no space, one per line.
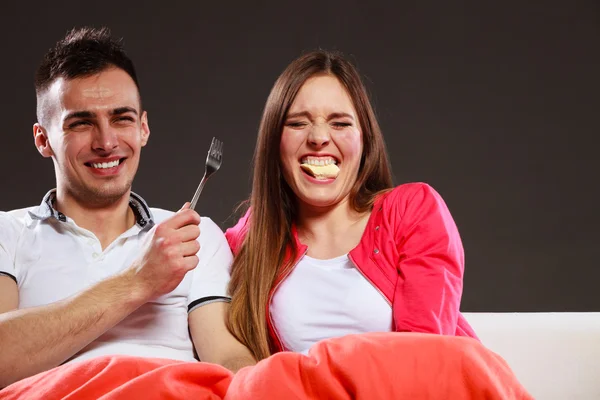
39,338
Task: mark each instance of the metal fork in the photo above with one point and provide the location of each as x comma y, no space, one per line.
213,163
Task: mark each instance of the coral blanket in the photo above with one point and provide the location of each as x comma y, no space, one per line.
365,366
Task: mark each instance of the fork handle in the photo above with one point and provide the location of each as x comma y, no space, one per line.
198,191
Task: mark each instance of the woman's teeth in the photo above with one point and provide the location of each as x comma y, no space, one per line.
318,161
106,164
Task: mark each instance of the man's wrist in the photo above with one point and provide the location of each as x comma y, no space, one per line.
136,293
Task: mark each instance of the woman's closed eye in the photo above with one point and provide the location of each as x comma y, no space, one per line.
341,124
296,124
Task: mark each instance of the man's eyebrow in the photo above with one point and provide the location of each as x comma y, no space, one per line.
123,110
80,114
89,114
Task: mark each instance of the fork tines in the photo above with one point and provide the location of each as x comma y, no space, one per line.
216,148
213,163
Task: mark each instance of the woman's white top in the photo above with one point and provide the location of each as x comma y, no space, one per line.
321,299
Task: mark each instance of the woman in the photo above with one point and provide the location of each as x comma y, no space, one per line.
328,247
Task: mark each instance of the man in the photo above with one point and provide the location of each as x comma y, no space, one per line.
92,270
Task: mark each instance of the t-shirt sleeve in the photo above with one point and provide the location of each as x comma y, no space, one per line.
8,237
211,276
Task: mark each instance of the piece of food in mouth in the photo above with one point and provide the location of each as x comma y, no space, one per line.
329,171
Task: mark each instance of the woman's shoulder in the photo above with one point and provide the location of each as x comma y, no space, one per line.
413,201
406,193
236,234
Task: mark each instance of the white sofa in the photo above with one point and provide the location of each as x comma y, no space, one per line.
554,355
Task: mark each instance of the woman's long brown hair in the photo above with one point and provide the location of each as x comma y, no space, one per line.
273,205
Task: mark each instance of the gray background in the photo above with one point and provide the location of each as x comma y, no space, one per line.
493,103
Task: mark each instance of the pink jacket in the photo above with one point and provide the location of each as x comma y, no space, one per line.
411,252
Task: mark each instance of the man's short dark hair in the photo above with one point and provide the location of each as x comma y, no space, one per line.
82,52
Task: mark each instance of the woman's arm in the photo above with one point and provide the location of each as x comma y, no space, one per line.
431,264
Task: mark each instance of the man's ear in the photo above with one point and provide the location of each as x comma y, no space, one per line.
145,128
42,143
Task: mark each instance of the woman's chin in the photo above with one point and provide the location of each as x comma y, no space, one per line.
321,199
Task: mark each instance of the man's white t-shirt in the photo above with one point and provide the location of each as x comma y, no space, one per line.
322,299
51,258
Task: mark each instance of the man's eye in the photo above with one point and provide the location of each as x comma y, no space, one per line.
78,124
125,119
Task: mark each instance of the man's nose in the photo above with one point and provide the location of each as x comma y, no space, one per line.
105,139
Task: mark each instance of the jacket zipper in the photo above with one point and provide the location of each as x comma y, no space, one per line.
376,288
288,272
370,281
